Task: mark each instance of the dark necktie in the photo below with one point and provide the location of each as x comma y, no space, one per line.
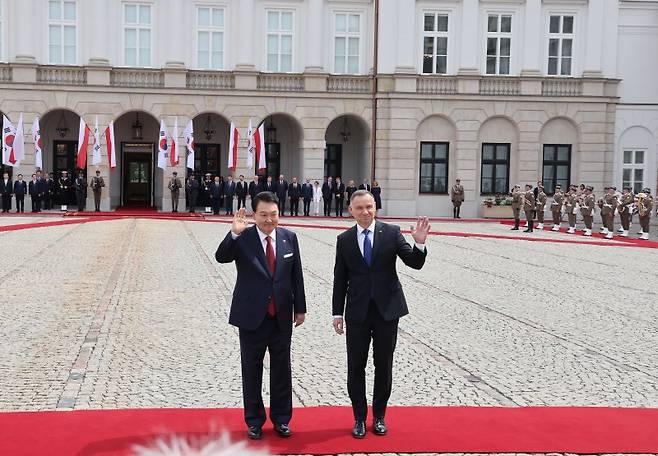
367,248
271,264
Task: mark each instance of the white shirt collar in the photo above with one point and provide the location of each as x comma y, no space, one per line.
371,228
262,235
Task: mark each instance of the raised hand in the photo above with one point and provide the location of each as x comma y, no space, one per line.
421,230
239,222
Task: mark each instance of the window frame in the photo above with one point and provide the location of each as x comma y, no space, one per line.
347,35
555,163
435,35
279,33
495,162
210,29
634,166
499,35
137,26
433,161
560,36
61,24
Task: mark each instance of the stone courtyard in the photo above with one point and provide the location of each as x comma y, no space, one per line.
127,313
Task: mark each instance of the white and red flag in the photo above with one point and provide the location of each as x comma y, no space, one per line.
8,137
19,141
189,144
250,146
96,160
162,146
259,145
233,148
173,154
38,144
83,144
109,143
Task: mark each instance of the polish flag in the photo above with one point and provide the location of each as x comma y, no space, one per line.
8,137
250,146
189,144
109,142
259,145
233,148
96,160
173,155
83,144
38,144
19,141
162,146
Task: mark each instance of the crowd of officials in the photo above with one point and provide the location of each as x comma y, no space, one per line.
215,194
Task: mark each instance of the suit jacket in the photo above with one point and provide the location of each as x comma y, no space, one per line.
359,283
229,189
339,190
8,189
32,185
294,192
268,187
364,187
307,191
255,284
281,188
241,189
327,190
254,189
20,188
216,190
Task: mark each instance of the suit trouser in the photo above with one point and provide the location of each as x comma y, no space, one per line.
282,206
384,338
339,207
242,201
6,202
294,206
228,201
307,206
268,336
20,203
34,200
327,207
81,200
625,218
215,203
48,201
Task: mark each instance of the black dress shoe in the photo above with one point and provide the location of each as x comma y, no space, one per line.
282,430
254,432
379,426
359,430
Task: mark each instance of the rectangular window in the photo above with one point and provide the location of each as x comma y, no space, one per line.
279,40
433,167
137,35
494,175
62,32
560,45
499,44
435,43
633,170
347,43
557,167
210,38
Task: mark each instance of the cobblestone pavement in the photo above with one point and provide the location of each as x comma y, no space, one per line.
133,313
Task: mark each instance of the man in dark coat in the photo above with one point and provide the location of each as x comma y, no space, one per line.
294,193
241,190
327,195
20,190
281,191
307,196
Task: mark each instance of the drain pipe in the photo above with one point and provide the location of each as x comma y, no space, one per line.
375,72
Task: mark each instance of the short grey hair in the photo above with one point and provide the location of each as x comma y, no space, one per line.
358,193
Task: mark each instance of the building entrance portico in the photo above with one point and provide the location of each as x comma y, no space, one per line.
137,175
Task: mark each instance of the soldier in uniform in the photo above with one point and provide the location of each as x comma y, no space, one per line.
644,207
540,204
624,207
587,209
81,191
174,187
571,208
457,198
97,184
191,192
64,189
517,202
50,191
206,200
529,207
608,212
556,207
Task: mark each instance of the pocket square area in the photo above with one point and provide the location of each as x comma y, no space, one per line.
288,255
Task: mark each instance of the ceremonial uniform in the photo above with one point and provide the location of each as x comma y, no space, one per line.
457,198
97,184
624,207
587,210
556,208
540,206
571,209
174,187
644,203
517,203
529,206
608,214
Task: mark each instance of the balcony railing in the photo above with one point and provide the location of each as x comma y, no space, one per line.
562,87
5,73
352,84
500,86
62,75
210,80
133,77
446,85
281,82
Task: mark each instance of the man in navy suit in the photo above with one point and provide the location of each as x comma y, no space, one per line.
229,192
267,299
6,190
20,190
365,273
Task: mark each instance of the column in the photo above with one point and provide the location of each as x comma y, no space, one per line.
245,57
406,15
99,12
314,35
24,50
469,38
531,42
175,57
594,44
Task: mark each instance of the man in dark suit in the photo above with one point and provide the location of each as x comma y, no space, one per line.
229,192
191,192
281,190
81,191
327,195
339,193
241,190
216,192
307,195
20,189
365,272
41,187
268,185
32,190
268,297
365,185
6,190
254,188
294,193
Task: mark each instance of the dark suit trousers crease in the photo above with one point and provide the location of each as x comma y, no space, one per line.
268,336
384,338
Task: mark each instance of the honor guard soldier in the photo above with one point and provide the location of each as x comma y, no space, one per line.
571,208
608,212
624,208
50,191
191,192
63,190
174,187
97,184
541,199
517,203
457,198
205,193
81,191
644,202
556,207
529,206
588,202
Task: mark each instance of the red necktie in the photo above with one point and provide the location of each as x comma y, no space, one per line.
271,264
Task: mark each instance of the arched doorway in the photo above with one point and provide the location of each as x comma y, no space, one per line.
283,136
136,181
346,154
211,139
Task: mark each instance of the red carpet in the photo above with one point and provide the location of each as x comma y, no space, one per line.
325,430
